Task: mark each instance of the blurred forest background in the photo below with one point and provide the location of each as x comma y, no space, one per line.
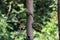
13,20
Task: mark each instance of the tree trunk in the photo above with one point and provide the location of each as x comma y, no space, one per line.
29,5
59,17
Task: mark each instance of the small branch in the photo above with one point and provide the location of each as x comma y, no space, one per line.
10,8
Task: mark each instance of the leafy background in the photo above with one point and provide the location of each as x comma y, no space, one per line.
12,24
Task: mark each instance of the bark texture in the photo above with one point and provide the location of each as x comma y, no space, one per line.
59,17
29,5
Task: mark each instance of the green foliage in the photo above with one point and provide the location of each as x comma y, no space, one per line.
45,13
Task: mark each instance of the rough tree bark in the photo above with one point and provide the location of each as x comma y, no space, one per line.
29,6
59,17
